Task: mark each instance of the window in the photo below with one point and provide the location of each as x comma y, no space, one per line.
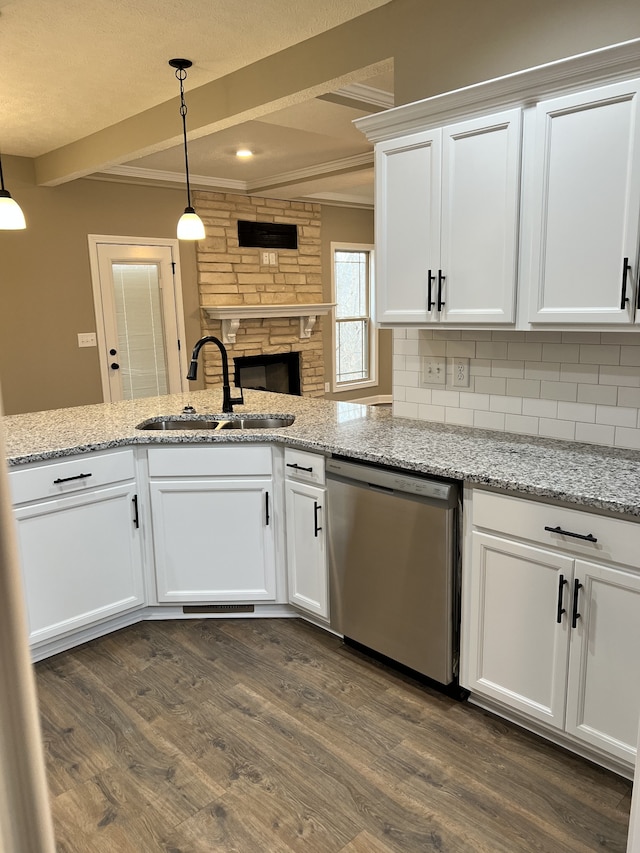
355,351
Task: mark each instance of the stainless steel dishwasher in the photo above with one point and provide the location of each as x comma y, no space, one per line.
393,561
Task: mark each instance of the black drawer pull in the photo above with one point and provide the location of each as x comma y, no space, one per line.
299,467
441,278
626,269
577,586
430,280
588,538
67,479
316,510
561,584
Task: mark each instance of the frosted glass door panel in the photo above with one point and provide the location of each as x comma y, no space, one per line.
141,341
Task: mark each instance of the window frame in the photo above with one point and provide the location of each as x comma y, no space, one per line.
372,380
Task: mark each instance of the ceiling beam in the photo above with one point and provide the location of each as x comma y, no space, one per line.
311,68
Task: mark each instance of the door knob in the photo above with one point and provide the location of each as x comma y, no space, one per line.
114,365
113,351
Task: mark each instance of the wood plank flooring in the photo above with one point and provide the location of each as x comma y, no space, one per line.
270,736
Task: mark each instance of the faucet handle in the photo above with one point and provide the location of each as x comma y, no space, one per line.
238,401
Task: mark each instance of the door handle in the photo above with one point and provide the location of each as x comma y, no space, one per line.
266,508
430,280
136,517
441,279
560,610
114,365
577,586
626,269
316,510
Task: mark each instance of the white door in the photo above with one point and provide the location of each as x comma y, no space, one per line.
586,207
518,626
603,696
480,203
407,226
139,315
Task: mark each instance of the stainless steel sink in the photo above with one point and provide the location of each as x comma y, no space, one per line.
171,422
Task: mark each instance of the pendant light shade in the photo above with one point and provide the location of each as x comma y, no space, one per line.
190,226
11,215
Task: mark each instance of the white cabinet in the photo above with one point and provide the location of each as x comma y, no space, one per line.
585,207
552,605
79,541
213,519
447,223
305,497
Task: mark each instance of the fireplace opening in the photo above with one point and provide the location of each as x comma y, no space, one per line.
279,373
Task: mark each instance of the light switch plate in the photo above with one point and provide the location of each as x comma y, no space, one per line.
434,370
87,339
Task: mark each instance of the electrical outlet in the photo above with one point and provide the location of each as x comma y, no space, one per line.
327,387
460,372
264,259
87,339
434,371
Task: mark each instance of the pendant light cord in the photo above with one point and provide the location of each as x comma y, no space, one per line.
181,74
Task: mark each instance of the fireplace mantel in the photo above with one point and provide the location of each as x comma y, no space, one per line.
232,314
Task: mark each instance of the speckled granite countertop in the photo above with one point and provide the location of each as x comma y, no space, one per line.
583,474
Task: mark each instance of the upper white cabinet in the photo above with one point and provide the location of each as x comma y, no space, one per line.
447,223
585,203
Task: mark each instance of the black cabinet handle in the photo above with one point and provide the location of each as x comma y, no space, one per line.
67,479
588,538
299,467
316,510
577,586
626,269
136,518
430,279
266,508
441,279
560,610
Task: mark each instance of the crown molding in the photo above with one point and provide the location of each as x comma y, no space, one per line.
522,88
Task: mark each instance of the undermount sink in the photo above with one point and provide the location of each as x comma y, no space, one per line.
171,422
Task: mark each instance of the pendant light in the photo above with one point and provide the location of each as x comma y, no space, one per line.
11,216
190,226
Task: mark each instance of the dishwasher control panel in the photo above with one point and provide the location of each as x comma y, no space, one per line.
393,481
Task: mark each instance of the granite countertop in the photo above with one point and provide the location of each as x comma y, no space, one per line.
583,474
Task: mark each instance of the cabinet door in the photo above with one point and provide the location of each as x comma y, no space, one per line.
407,225
306,548
480,203
81,560
603,696
213,540
516,649
586,206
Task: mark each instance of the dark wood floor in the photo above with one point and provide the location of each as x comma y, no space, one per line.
269,736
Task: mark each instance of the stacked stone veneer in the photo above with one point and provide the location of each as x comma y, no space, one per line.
230,275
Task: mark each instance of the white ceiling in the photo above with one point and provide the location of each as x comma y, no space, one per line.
78,66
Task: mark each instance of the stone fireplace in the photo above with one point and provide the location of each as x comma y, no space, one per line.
261,302
279,372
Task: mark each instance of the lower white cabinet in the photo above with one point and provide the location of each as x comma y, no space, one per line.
79,542
553,619
305,497
213,520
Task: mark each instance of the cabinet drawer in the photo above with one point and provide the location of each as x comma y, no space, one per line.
209,461
300,465
79,473
617,541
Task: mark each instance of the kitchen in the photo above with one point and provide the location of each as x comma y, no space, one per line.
613,38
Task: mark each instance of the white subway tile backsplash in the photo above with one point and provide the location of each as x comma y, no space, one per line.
508,369
595,433
505,404
617,416
582,386
524,352
606,395
559,391
557,429
540,408
489,420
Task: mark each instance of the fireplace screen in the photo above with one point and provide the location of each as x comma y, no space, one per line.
279,373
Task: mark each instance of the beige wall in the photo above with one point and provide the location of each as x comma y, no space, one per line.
45,284
349,225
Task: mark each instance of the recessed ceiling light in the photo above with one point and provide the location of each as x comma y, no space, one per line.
244,153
